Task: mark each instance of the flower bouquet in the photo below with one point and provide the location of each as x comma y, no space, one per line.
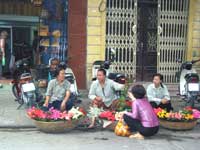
123,105
181,120
110,118
54,120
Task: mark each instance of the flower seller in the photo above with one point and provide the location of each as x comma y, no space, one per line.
58,91
158,94
103,92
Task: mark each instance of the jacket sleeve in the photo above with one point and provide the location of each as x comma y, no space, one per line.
117,86
92,91
135,111
151,97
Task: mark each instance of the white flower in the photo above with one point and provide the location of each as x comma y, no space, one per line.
76,113
94,111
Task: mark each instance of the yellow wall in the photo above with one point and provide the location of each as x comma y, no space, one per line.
95,34
193,51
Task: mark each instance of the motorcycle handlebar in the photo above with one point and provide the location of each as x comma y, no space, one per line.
195,61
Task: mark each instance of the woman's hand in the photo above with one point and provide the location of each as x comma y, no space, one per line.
164,101
121,114
99,99
130,95
63,106
46,104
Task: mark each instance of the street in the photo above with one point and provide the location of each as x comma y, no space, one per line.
32,139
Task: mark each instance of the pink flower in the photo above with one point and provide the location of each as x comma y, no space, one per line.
157,110
178,116
196,113
55,114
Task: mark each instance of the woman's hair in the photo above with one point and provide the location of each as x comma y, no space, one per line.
138,91
54,60
161,78
60,67
103,71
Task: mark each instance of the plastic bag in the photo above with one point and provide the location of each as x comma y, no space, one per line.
122,129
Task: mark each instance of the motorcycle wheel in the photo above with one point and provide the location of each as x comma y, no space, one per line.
20,100
17,94
15,91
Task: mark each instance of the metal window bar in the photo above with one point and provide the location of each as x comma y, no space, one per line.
172,41
121,35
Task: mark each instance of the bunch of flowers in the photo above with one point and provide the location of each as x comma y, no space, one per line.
107,115
55,115
111,115
183,115
124,105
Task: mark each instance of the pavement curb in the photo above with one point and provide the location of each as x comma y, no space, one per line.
16,126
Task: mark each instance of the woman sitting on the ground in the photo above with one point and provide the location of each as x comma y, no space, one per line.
103,93
58,92
142,121
158,94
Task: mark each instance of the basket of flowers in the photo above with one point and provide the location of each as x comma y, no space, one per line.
181,120
55,121
110,118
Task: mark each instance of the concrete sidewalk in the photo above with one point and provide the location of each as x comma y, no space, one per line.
11,117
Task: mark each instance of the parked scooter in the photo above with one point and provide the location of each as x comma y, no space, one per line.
189,86
69,75
117,77
23,87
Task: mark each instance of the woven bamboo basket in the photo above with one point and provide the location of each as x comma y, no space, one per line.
178,125
56,126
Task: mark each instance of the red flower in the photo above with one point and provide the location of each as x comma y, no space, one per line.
82,110
36,113
128,103
107,115
157,110
188,108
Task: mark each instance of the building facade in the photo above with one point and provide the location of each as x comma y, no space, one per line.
147,35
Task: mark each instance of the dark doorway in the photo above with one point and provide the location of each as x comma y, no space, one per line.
146,57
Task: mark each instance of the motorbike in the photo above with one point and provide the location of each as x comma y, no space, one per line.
117,77
23,87
189,86
69,75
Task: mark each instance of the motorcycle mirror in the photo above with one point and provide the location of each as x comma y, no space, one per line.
194,61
